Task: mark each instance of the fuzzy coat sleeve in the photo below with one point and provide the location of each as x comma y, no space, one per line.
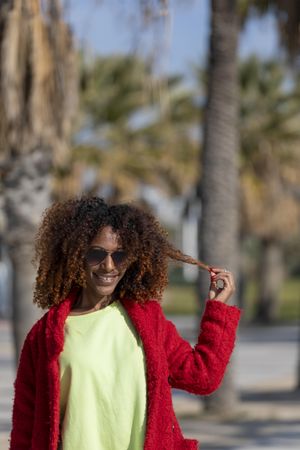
24,401
200,370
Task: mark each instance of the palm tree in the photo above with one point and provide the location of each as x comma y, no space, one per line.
270,168
132,137
218,231
218,188
37,105
287,15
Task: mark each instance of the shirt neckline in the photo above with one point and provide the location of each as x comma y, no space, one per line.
92,313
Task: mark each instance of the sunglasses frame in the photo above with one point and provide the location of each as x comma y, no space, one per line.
111,254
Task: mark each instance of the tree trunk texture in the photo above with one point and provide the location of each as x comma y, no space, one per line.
24,313
270,279
218,230
38,103
26,194
298,362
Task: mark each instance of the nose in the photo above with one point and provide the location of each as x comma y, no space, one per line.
108,263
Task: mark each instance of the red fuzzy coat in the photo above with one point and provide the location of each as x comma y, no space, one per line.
171,363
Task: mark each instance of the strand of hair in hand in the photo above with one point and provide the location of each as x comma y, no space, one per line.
177,255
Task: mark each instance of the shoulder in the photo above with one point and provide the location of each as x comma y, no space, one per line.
150,310
152,307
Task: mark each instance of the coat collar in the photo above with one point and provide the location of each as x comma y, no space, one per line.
137,313
56,317
55,320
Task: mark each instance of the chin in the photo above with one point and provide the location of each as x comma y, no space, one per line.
104,291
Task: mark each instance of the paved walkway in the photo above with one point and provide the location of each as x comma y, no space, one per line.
265,371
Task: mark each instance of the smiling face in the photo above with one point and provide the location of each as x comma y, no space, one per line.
102,278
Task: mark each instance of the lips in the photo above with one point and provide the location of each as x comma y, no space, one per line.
105,280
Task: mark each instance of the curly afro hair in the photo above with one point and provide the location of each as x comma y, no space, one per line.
69,227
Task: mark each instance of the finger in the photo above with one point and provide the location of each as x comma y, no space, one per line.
214,276
227,281
228,285
231,282
228,276
223,274
218,283
218,269
213,291
222,284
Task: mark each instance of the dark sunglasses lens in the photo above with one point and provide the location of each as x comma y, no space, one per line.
95,256
118,257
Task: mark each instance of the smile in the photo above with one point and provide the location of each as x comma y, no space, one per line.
105,279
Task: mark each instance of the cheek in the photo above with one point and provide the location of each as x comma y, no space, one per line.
122,273
88,273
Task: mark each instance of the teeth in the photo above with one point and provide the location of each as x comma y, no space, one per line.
101,277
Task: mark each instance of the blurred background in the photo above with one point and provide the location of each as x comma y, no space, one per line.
190,108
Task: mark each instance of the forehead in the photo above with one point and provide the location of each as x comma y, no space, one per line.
107,238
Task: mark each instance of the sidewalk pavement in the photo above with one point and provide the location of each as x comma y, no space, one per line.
265,362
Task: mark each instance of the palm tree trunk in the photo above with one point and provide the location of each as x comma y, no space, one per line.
271,274
24,313
38,99
218,231
26,194
298,362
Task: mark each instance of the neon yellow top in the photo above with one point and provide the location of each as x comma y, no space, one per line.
103,382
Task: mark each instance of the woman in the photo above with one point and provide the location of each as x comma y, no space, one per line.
96,371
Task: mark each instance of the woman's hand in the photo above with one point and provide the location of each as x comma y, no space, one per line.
222,284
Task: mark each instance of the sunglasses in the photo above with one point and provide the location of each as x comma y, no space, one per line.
97,255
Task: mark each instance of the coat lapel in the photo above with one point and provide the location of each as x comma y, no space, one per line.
55,320
144,327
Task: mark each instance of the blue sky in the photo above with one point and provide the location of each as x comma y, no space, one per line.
107,27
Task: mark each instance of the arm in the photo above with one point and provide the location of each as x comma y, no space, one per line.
200,369
24,400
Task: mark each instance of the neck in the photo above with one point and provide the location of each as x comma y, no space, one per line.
87,302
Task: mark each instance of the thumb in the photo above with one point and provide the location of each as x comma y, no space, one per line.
213,290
